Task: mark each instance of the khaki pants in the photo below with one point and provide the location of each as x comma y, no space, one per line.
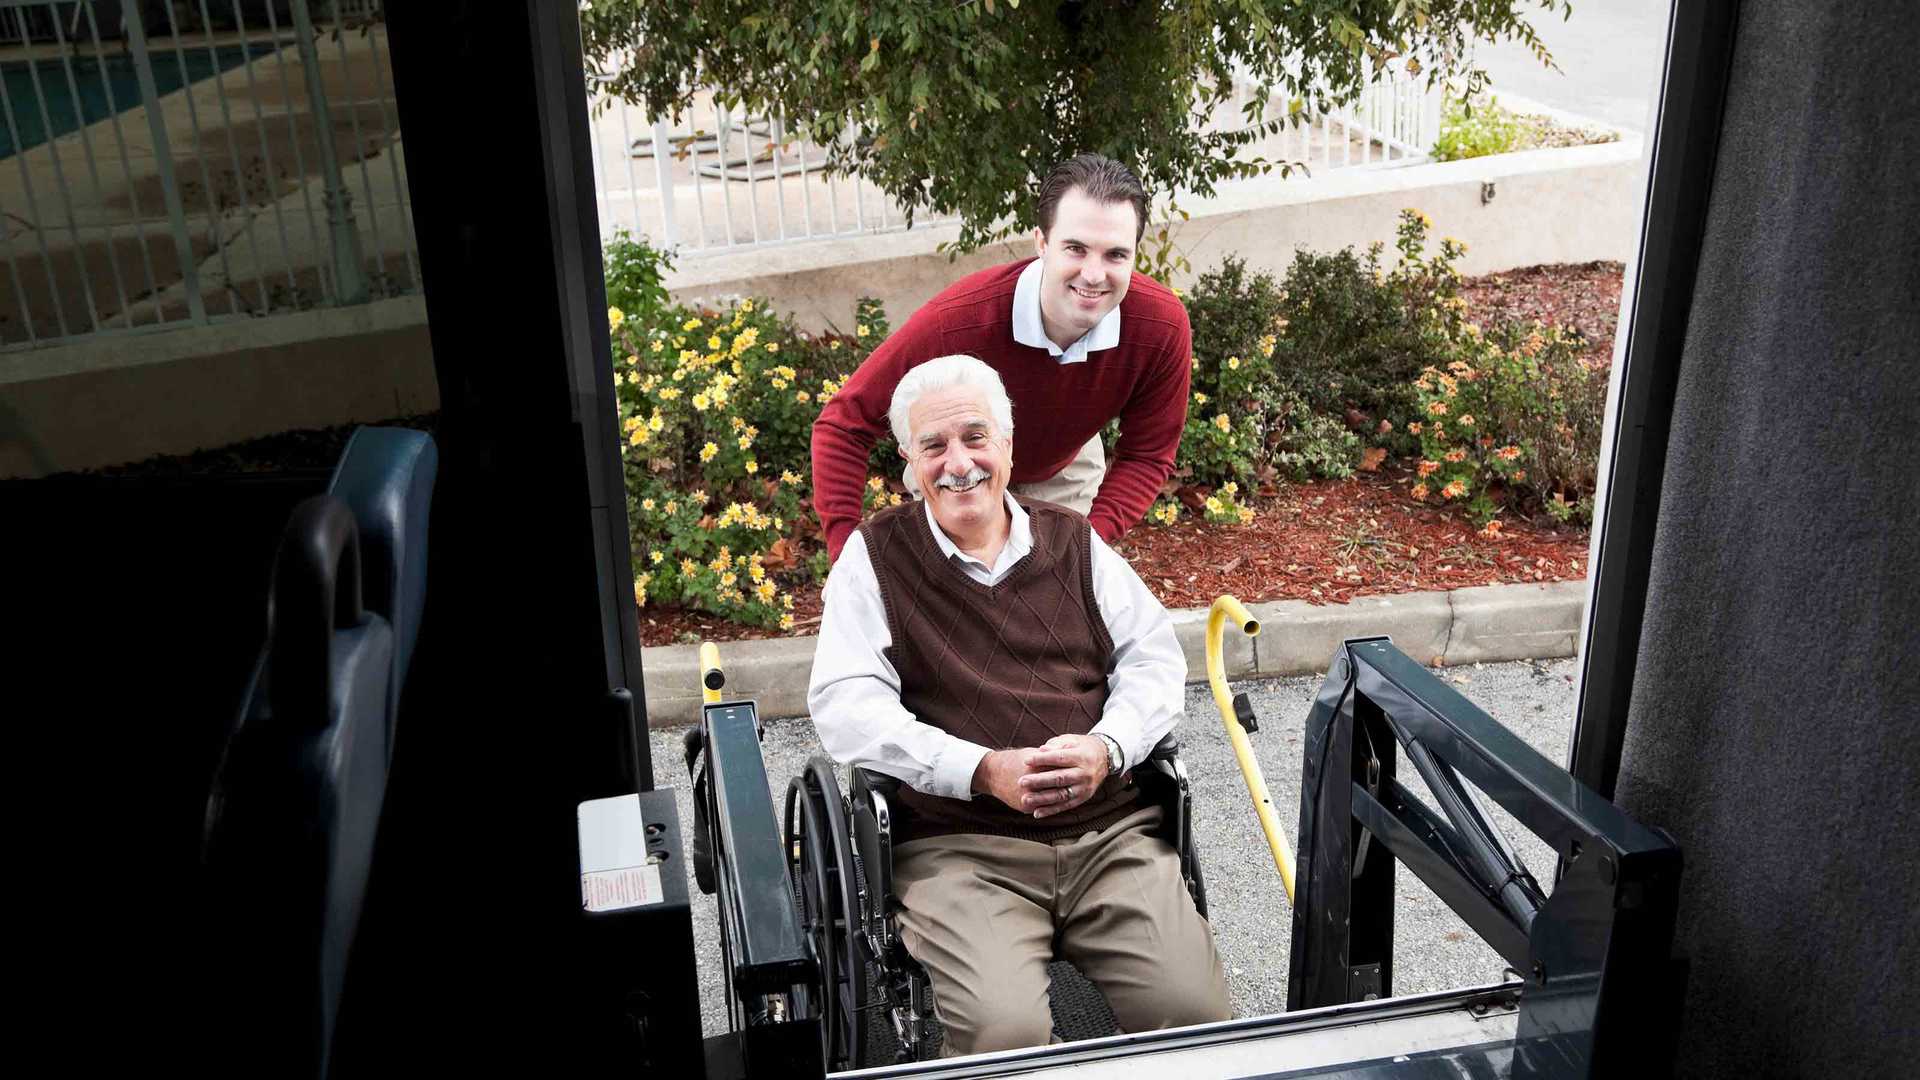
1072,487
982,915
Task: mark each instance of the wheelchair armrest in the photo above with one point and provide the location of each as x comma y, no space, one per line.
877,781
1167,749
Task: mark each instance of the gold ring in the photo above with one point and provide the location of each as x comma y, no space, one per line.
1069,792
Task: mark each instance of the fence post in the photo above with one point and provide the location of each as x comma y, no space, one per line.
163,160
349,273
1429,119
663,183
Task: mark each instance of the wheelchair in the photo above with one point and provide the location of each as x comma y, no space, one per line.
840,860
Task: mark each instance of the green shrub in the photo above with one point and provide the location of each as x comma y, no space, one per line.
636,276
1517,413
717,411
1476,129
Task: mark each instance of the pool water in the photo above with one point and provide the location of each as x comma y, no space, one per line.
93,76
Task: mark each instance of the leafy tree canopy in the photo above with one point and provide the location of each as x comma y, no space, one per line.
957,106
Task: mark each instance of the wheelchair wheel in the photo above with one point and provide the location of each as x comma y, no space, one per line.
820,850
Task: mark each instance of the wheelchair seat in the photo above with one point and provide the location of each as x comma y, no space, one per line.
842,860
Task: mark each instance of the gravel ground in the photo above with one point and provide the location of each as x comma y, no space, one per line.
1433,948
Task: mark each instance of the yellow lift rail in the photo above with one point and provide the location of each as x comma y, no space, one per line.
1226,607
711,677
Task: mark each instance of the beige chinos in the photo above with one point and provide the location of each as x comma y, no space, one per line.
982,914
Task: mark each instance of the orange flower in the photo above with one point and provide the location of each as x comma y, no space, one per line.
1454,490
1492,530
1414,428
1456,455
1428,468
1508,453
1519,476
1436,408
1419,491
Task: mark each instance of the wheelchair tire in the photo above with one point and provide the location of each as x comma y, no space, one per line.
826,877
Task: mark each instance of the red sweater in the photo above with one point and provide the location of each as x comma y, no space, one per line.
1056,407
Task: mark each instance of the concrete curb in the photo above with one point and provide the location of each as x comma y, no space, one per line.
1465,626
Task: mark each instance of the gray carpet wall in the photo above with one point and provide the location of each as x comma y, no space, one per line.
1774,725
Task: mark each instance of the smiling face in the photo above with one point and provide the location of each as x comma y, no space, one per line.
1086,264
961,460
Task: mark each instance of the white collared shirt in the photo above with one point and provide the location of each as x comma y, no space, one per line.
1029,330
854,695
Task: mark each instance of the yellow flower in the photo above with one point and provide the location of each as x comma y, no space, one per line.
672,506
647,505
893,500
1199,399
834,344
708,451
779,383
701,401
655,557
745,340
1419,491
756,571
788,476
638,438
1214,505
1268,342
701,498
629,423
655,423
1246,516
727,579
860,330
1230,488
659,346
615,317
640,590
744,441
753,466
1233,363
1221,421
786,622
688,567
787,601
690,324
746,306
803,397
766,591
876,483
774,347
713,341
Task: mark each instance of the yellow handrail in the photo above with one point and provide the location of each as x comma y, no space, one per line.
1223,608
712,678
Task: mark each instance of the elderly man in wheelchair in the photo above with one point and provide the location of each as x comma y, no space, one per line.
1001,683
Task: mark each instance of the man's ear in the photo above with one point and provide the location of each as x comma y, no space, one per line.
1039,242
902,451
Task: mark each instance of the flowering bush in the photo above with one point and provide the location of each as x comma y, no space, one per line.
717,409
1517,411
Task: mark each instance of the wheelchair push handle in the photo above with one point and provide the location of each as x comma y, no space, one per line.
1224,608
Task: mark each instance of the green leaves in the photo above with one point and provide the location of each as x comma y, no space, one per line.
958,106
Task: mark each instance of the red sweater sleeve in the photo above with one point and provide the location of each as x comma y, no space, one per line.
1150,427
855,418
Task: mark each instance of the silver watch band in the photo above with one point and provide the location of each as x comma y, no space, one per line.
1116,757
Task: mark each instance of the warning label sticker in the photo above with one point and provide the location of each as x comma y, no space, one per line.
613,890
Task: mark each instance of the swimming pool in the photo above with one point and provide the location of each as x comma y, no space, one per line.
95,77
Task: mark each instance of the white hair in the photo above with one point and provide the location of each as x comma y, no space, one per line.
946,373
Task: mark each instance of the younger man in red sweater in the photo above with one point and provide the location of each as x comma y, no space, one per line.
1078,338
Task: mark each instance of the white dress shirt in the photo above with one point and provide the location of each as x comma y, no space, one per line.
1029,330
855,692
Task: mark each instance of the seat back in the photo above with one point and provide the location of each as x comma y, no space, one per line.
385,477
291,824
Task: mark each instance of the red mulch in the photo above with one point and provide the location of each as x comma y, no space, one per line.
1331,541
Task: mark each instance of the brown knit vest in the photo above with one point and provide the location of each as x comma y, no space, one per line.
1008,665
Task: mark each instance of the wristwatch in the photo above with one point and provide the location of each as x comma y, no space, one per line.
1116,761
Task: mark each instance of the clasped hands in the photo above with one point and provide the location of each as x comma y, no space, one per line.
1045,780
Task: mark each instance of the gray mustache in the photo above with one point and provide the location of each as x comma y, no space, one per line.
948,480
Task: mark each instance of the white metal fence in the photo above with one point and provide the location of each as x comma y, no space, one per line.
720,181
224,162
